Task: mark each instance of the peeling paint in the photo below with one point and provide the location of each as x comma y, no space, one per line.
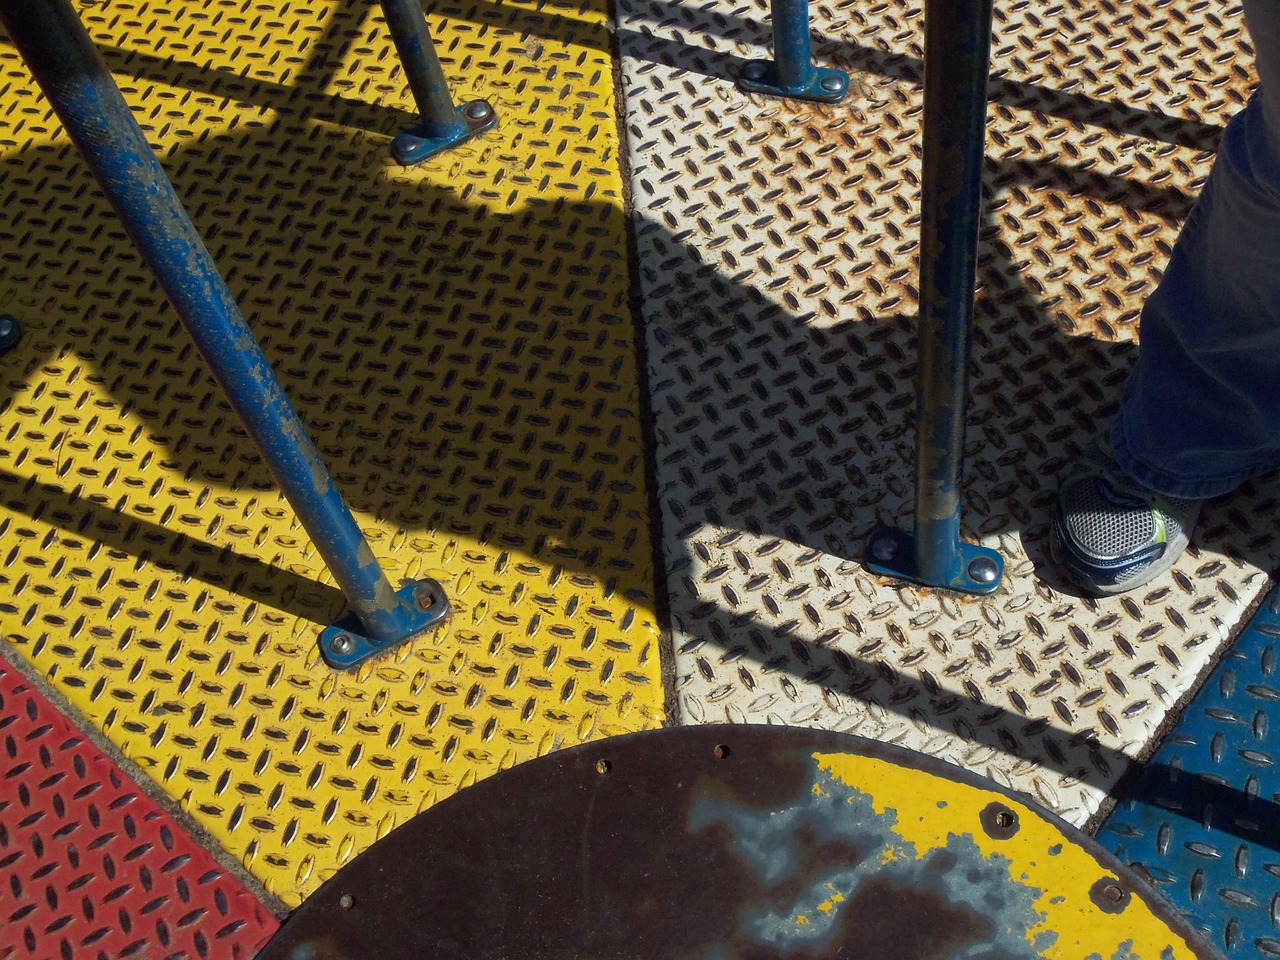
974,905
1064,883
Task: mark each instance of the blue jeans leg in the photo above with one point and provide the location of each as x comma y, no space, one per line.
1201,411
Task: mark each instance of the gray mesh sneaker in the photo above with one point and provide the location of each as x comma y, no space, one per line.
1112,534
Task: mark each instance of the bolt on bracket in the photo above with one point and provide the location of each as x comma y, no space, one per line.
343,646
820,84
973,568
426,140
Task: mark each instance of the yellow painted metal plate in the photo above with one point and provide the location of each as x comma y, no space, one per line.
1080,908
457,338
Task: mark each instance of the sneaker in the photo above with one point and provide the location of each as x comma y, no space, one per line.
1111,533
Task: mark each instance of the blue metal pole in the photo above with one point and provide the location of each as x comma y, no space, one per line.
791,73
422,67
957,58
71,74
443,124
791,50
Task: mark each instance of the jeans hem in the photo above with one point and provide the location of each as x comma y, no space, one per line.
1174,485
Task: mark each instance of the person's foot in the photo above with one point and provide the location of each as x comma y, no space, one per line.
1110,533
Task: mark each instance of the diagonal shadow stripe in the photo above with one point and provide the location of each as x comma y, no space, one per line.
80,517
292,98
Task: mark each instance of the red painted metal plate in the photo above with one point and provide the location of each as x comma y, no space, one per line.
91,867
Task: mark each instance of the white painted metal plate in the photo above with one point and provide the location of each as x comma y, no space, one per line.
778,257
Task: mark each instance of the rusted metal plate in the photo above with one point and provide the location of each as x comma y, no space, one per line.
751,842
778,255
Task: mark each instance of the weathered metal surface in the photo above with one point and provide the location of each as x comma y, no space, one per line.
1203,820
752,842
93,868
457,340
778,259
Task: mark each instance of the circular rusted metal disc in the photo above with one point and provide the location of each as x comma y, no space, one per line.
723,842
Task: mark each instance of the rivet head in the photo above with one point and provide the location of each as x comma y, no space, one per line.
832,82
342,643
1109,895
884,549
754,70
346,901
477,110
983,570
6,326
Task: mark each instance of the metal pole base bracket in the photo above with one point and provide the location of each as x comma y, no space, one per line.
823,84
343,646
10,333
424,142
975,569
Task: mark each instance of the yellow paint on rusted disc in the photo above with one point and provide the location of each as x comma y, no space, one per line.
1084,909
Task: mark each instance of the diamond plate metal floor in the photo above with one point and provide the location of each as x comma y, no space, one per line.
777,244
462,341
1202,819
93,868
456,337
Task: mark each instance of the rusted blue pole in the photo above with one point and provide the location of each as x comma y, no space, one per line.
792,52
957,59
443,124
791,73
71,74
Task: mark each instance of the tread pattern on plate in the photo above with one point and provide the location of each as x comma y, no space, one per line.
92,867
1203,817
778,261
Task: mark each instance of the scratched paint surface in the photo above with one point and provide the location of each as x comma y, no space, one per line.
808,910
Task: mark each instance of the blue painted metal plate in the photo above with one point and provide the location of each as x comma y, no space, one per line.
1202,819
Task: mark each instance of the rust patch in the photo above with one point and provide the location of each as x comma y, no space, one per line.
872,924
